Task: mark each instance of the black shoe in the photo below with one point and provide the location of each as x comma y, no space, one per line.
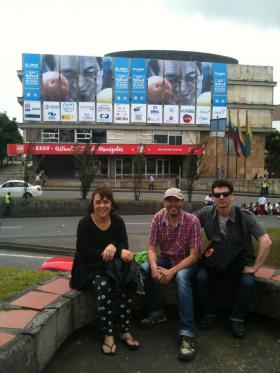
238,329
186,348
151,321
207,321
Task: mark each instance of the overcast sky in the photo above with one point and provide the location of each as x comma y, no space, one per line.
244,29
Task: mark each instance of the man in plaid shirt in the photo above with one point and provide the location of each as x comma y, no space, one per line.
174,248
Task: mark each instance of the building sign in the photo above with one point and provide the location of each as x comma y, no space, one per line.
104,149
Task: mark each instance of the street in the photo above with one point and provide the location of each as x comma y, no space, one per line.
60,232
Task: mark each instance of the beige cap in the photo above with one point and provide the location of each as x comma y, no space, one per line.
173,192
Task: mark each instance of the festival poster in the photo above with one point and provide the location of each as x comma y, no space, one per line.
32,111
121,90
171,114
87,112
187,114
31,77
69,111
138,90
51,111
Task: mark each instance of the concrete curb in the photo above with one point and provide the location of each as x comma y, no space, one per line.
33,346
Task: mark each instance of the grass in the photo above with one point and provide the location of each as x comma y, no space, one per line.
14,280
274,255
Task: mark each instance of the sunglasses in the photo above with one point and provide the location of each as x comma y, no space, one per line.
224,194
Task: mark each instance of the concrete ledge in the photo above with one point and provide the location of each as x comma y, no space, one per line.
35,343
77,207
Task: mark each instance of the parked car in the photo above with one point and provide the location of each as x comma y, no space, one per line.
19,188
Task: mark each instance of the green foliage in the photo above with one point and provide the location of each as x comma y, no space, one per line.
85,166
9,134
14,280
272,158
138,175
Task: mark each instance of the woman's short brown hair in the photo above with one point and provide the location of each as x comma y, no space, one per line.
104,192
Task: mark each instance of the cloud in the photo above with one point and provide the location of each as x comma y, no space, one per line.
261,14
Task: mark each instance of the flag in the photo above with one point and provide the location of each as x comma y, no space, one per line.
241,140
232,133
248,141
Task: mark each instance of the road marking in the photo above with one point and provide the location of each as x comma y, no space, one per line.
15,227
26,256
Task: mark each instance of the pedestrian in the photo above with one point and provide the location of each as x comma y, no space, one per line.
101,250
230,256
173,251
267,184
7,205
151,183
262,202
263,187
177,181
208,200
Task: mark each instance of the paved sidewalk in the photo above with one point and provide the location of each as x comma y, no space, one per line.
217,350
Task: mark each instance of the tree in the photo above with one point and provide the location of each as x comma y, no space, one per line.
85,166
30,166
193,170
272,154
138,173
9,134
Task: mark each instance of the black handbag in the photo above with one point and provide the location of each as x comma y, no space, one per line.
226,258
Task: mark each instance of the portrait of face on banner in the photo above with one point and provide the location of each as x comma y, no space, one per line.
89,78
155,91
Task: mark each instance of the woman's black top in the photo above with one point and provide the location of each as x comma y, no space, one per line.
91,242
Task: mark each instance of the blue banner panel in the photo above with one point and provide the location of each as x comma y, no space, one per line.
121,80
31,77
138,81
219,84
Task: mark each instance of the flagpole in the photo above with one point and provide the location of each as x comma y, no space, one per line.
228,149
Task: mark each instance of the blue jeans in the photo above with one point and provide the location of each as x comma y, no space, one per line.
206,291
184,291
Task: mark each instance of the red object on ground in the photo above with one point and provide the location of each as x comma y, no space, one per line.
57,264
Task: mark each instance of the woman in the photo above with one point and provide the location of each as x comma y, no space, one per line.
102,240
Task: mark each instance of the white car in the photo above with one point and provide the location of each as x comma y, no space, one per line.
19,188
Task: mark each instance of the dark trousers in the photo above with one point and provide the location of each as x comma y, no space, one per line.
206,281
109,301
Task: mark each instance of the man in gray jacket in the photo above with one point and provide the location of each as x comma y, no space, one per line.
220,223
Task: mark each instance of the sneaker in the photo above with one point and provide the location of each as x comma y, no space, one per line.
238,329
207,321
151,321
186,348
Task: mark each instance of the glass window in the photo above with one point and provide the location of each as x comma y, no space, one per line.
99,136
160,138
66,135
151,166
83,135
50,135
174,165
175,140
127,166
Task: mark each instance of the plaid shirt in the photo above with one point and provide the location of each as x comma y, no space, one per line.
175,243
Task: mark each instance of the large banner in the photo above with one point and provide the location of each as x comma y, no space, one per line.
31,87
81,89
121,90
219,90
138,90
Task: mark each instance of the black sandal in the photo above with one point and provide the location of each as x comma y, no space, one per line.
110,351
